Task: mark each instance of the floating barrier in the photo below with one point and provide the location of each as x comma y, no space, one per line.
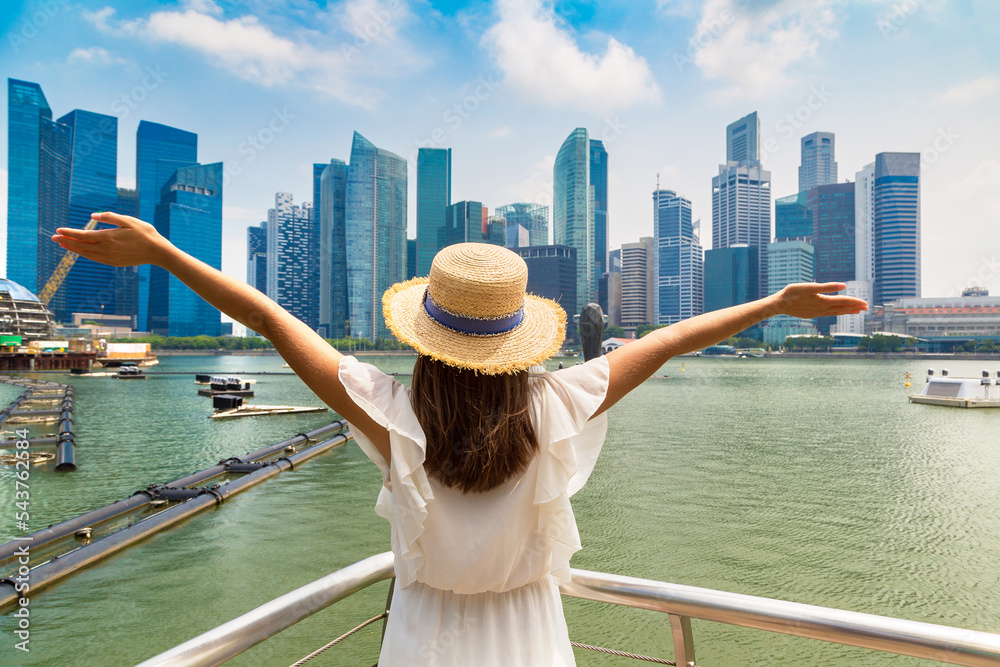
25,409
168,505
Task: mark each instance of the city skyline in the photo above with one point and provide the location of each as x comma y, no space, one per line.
503,149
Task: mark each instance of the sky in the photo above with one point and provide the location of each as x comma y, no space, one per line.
271,88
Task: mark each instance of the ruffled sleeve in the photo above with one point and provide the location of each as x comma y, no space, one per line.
406,491
569,443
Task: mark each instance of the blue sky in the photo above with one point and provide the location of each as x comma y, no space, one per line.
272,87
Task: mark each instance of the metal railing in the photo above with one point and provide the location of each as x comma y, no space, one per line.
681,604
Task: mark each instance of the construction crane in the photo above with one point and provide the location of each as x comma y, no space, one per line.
62,270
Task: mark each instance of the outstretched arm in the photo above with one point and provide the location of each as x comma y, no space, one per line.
632,364
314,360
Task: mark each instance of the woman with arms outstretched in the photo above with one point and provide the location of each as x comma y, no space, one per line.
478,459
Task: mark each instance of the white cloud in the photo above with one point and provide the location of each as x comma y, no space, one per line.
95,54
249,49
498,133
971,92
749,49
542,61
537,187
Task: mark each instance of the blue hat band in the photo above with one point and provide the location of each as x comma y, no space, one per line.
472,326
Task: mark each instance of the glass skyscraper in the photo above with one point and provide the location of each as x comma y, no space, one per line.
160,150
573,211
533,217
599,179
743,140
792,219
376,234
678,284
832,211
189,215
818,166
257,257
896,228
433,197
730,276
289,241
789,261
333,250
90,286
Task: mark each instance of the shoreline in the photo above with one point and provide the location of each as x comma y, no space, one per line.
266,353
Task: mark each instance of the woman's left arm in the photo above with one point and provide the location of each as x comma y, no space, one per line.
314,360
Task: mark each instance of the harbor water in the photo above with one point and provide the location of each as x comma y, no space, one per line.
806,480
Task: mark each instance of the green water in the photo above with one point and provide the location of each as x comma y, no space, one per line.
811,481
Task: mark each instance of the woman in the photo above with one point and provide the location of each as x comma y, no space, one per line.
479,460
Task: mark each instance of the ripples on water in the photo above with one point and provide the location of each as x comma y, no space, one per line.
810,481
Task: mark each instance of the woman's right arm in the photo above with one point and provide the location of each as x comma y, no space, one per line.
632,364
314,360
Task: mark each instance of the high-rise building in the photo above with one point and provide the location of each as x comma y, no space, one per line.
614,287
552,274
599,180
289,241
376,234
637,283
832,210
678,284
863,286
792,219
90,286
257,257
789,261
741,199
333,314
54,173
896,226
818,166
517,236
464,223
160,150
854,324
189,215
573,210
730,276
743,140
411,259
433,197
533,217
127,277
741,215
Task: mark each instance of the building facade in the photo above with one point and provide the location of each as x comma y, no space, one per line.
573,211
896,226
730,276
819,164
532,217
792,218
375,232
433,198
189,215
789,261
741,214
333,313
637,277
743,140
552,274
942,316
678,282
832,209
289,243
160,150
599,181
257,257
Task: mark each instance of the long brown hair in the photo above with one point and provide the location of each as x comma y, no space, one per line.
478,427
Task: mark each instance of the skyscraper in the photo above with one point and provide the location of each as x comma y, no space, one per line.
189,215
730,276
637,283
333,250
896,227
433,197
552,274
573,211
464,223
832,210
160,150
376,233
789,261
599,179
257,257
818,166
741,200
533,217
678,285
127,277
792,219
90,286
743,140
289,242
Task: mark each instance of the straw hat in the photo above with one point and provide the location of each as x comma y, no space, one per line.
472,312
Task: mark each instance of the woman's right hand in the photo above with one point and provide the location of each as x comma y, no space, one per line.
809,300
134,242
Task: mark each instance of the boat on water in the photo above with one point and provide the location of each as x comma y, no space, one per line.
959,392
231,385
129,371
228,406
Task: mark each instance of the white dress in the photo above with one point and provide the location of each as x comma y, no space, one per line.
477,574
